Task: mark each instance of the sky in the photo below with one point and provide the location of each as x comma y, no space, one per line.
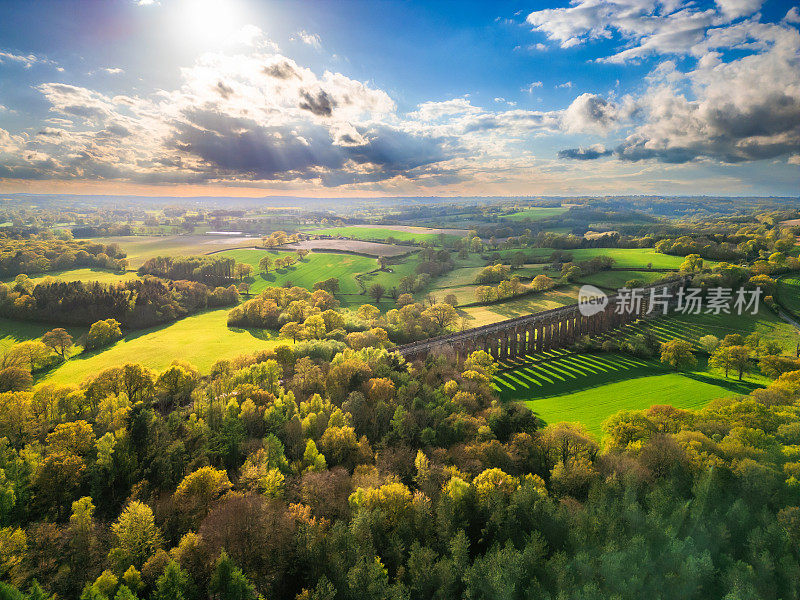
379,98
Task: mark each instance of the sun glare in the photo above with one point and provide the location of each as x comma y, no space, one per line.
209,21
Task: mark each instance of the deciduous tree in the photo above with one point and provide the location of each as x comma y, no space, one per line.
678,354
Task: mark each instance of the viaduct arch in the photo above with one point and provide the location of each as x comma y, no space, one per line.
547,330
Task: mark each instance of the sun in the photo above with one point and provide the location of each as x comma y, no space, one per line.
208,21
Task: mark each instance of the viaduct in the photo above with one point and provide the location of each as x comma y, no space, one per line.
547,330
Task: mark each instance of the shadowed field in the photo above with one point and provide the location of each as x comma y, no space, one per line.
536,213
692,327
588,388
383,233
788,292
13,332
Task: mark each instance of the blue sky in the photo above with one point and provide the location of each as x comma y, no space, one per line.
237,97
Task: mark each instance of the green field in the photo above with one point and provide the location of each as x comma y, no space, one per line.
458,277
613,280
13,332
536,213
380,233
398,269
788,293
200,339
592,407
317,266
693,327
477,316
462,275
625,258
101,275
588,388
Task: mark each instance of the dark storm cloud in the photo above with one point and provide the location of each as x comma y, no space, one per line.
116,130
281,70
764,129
320,103
583,153
236,148
224,90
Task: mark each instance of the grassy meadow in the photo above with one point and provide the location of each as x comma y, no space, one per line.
624,258
692,327
788,293
614,280
200,339
588,388
477,316
89,274
316,266
14,332
381,233
536,213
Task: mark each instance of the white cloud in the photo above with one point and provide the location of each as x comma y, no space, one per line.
729,109
733,9
793,16
113,70
532,86
744,109
252,35
649,27
432,111
566,84
253,117
27,60
312,39
590,113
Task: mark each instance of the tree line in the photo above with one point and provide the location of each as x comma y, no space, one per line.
363,477
135,303
41,253
212,270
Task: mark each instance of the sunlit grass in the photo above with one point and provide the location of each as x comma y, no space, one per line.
624,258
316,266
200,339
101,275
588,388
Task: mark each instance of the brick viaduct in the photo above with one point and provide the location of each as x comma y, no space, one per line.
548,330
